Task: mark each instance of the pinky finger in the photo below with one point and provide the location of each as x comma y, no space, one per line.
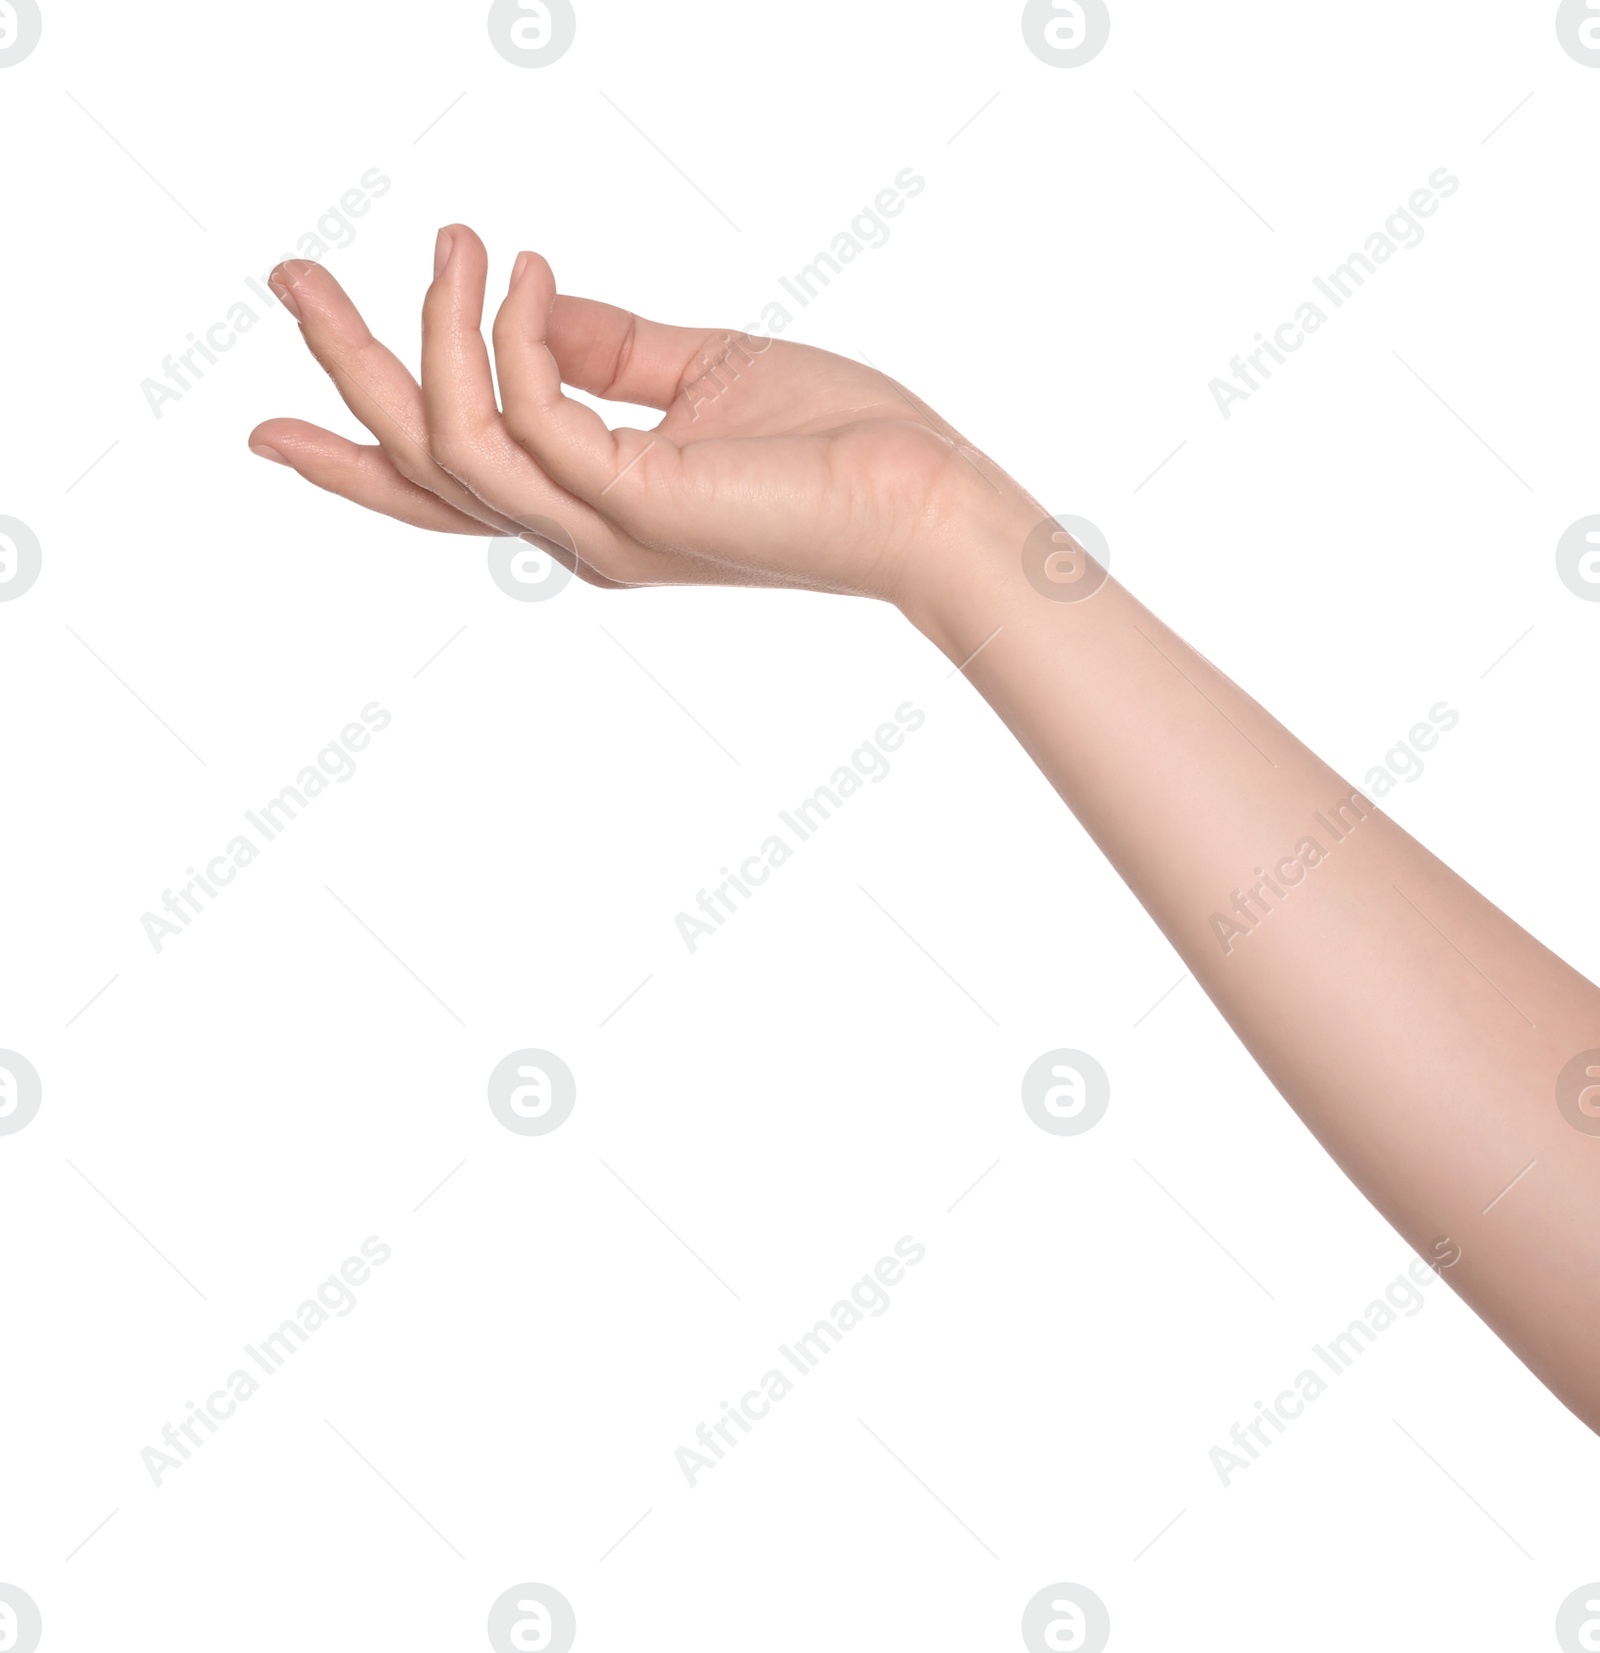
363,475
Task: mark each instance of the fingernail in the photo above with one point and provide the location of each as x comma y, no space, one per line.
268,453
441,252
285,296
519,268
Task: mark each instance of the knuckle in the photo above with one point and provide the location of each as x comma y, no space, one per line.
460,444
454,451
413,463
624,356
522,426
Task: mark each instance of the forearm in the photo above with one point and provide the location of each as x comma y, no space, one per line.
1416,1029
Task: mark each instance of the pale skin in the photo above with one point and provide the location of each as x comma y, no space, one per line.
1420,1033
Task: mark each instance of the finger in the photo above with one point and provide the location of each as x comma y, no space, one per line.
367,476
466,434
458,397
372,381
613,353
364,475
469,438
569,441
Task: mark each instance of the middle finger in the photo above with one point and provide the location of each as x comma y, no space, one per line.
373,382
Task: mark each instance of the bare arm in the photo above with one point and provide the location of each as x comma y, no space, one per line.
1420,1033
1439,1053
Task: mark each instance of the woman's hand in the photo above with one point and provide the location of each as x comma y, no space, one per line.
775,464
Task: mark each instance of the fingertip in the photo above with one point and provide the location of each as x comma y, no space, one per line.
532,277
264,441
286,281
526,312
293,442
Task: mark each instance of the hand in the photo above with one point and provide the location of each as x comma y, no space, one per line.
775,464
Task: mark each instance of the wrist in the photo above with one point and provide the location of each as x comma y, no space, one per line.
1004,564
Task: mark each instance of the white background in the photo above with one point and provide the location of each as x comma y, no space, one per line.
1039,1402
